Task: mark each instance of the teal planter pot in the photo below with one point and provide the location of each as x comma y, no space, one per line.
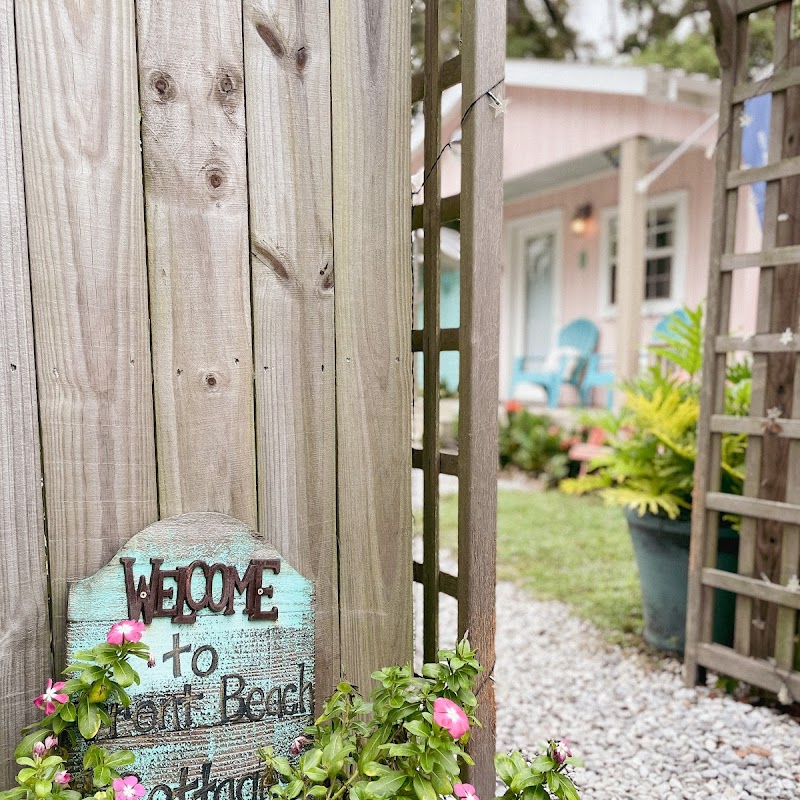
661,547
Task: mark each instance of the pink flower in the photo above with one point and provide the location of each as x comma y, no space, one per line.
450,716
129,630
465,790
50,742
51,695
151,661
63,777
513,406
559,751
39,749
127,788
298,744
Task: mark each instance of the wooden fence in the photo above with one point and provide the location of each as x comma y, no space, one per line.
765,648
205,297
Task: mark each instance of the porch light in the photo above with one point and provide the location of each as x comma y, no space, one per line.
581,218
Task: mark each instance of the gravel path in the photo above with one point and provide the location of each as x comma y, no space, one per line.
641,734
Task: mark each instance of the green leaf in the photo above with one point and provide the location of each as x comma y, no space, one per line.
42,788
369,751
423,789
88,719
67,712
120,758
93,756
400,750
25,747
101,776
373,769
316,774
294,788
125,674
426,761
504,767
417,728
282,766
390,784
318,791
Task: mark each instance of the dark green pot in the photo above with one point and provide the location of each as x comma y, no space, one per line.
661,547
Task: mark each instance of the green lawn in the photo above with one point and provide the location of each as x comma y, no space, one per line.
565,548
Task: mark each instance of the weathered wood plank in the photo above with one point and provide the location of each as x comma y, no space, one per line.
706,474
786,428
786,168
752,670
773,257
743,623
370,89
448,340
431,336
191,84
760,342
751,587
749,6
448,584
483,67
449,211
777,82
287,62
450,75
25,660
83,184
753,507
778,379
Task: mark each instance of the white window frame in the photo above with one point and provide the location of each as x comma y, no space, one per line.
663,305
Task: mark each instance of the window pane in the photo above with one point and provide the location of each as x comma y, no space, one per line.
658,278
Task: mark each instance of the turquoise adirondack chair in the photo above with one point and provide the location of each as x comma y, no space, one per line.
599,373
566,364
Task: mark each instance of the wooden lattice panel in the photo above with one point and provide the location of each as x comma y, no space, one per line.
764,651
480,69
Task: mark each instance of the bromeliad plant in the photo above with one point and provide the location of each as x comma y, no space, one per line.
79,706
408,743
649,466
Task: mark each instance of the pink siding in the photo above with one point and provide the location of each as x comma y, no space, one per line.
581,288
543,127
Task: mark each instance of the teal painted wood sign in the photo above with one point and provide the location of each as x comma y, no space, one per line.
230,626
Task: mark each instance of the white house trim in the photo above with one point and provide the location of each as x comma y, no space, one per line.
660,307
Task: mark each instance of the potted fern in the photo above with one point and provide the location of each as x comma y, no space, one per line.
648,470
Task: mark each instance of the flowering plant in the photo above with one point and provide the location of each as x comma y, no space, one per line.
79,705
409,742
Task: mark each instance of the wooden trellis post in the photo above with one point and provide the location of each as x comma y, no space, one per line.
480,69
769,546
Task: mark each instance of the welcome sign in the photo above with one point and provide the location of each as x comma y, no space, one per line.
230,626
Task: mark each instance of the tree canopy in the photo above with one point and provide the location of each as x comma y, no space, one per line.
674,33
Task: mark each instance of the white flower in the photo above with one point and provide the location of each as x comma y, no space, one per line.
744,120
793,584
784,698
787,337
774,413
